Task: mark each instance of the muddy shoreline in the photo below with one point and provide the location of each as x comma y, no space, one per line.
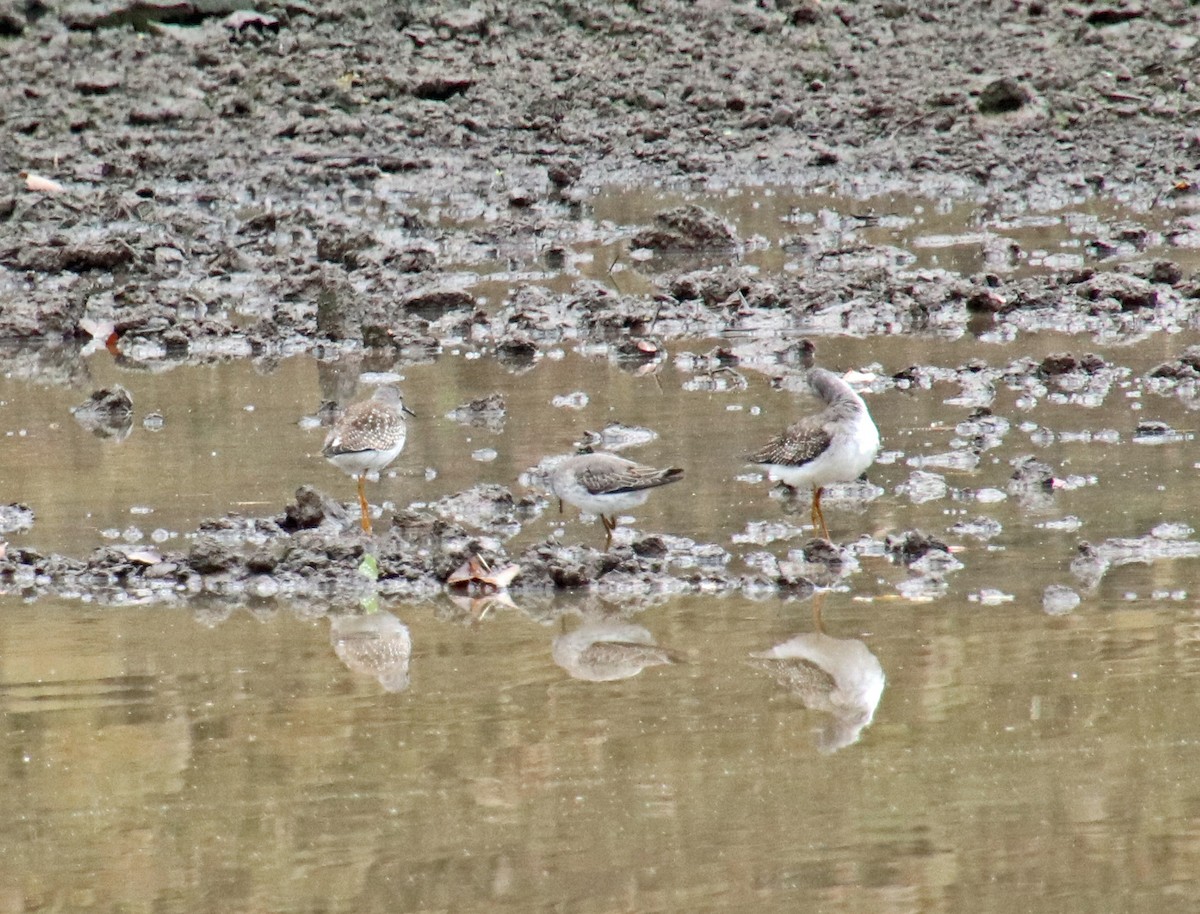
251,185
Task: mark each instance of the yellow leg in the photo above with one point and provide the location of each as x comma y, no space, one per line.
817,515
362,501
609,527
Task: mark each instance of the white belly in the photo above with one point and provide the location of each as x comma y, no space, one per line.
358,462
604,504
847,457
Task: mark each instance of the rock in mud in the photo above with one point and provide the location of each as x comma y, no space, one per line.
1127,293
981,528
1064,362
1152,431
638,351
686,228
517,353
488,507
617,437
819,563
313,509
1032,481
1003,96
1186,367
912,545
60,255
1165,542
486,412
923,486
15,518
436,303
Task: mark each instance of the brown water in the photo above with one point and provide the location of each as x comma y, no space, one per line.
782,231
161,761
232,440
228,760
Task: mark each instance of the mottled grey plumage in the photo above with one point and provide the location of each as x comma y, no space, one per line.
603,484
839,676
368,432
801,443
608,474
835,445
803,678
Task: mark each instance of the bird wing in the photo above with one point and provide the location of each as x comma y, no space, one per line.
802,443
357,430
626,476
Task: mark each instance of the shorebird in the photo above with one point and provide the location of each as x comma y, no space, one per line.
834,445
368,436
603,484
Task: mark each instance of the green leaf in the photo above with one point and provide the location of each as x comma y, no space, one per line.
369,567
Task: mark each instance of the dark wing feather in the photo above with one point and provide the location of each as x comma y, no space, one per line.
614,479
802,443
363,426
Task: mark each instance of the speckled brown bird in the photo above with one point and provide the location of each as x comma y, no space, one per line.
368,436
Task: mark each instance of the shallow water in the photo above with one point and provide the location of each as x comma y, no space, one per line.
232,440
781,232
215,759
177,762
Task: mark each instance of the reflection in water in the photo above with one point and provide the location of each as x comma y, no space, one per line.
376,644
107,413
839,676
606,651
472,608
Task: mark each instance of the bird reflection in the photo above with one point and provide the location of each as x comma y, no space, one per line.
376,644
838,676
605,651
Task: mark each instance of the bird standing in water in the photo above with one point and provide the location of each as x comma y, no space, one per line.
834,445
603,484
368,436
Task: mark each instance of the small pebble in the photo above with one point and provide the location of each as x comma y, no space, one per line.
1057,600
576,400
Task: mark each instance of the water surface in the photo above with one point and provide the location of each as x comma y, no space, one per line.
189,762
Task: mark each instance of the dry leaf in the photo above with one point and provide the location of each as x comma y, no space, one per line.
476,575
41,185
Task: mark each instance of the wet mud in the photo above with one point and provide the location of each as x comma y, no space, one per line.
201,184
